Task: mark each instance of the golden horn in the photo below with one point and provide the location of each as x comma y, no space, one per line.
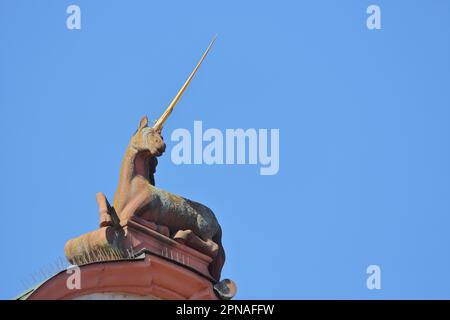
159,124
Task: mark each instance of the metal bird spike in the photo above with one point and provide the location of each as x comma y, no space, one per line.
160,122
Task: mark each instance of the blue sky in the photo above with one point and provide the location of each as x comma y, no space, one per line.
364,134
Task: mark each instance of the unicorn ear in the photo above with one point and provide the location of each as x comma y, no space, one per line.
143,123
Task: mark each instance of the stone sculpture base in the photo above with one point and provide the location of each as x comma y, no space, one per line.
137,235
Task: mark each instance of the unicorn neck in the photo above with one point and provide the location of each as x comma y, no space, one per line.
135,163
127,172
